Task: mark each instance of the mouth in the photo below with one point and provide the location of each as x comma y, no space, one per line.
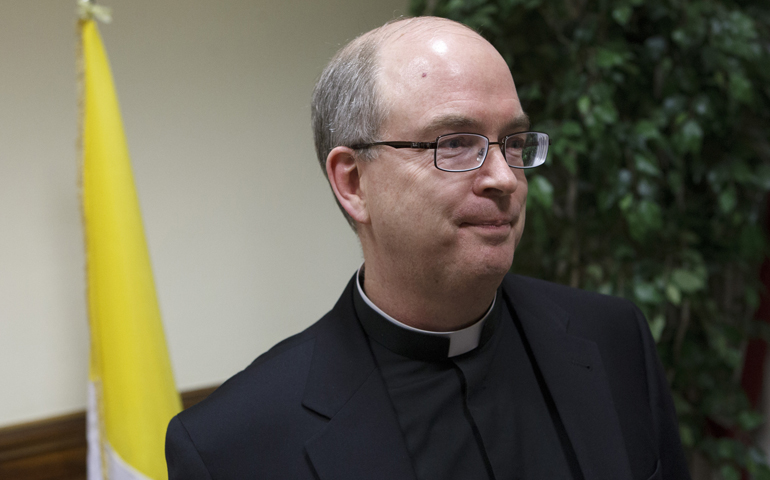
493,227
494,222
488,222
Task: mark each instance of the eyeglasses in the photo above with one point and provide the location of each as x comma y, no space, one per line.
462,152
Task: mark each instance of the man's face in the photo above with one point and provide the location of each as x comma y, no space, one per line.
442,226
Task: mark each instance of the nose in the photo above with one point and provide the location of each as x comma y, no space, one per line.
495,177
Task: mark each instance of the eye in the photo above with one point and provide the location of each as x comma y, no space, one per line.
514,143
460,151
455,142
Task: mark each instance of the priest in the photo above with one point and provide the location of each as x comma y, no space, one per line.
436,363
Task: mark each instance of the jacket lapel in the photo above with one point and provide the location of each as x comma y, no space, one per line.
363,438
575,376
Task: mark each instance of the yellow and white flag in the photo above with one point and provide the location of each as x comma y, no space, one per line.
132,395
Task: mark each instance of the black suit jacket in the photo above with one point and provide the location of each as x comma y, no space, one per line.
315,406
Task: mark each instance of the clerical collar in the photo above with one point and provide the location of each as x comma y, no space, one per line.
421,344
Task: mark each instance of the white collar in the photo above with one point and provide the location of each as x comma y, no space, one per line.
460,341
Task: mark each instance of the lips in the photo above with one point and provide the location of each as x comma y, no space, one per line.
495,227
494,219
488,221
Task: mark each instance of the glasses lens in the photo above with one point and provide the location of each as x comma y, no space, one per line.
461,151
526,150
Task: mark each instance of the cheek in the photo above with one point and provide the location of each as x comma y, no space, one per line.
394,196
521,195
409,197
520,227
521,190
410,184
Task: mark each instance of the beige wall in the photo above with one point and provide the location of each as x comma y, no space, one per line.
246,242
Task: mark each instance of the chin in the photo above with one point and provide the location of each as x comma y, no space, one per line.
494,265
481,261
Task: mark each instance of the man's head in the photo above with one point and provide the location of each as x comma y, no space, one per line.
413,80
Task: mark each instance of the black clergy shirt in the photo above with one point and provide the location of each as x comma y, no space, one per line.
481,414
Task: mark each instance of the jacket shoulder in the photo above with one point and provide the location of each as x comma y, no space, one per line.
251,410
590,313
565,296
614,324
276,375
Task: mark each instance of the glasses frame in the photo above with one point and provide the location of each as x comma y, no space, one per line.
434,147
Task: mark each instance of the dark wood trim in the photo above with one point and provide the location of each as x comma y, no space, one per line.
55,448
192,397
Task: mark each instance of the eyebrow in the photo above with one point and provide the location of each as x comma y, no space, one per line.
457,122
518,124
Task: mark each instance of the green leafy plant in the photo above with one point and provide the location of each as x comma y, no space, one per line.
659,114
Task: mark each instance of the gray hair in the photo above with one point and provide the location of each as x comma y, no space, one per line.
346,108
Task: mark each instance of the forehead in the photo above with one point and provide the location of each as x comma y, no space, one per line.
444,70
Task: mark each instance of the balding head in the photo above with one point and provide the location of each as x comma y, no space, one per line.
348,106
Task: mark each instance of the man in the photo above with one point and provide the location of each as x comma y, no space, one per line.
434,363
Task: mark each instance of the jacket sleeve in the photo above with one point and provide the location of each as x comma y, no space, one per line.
182,458
673,464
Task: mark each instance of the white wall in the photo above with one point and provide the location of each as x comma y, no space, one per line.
246,241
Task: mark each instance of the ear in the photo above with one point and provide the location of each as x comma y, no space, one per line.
344,174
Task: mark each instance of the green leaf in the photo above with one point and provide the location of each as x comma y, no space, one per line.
569,160
541,191
571,128
657,325
622,14
720,342
757,464
646,165
729,472
626,202
725,448
680,37
686,434
751,299
702,105
741,172
687,281
607,58
595,271
606,112
675,182
740,87
752,242
673,294
692,135
650,212
683,407
584,104
727,200
762,177
749,420
656,46
674,105
647,293
644,219
646,129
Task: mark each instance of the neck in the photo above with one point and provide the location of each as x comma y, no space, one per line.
429,302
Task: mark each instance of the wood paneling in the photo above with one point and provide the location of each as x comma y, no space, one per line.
55,448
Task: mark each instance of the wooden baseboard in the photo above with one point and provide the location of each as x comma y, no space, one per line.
55,448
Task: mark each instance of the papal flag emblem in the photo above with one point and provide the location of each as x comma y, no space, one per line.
132,395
